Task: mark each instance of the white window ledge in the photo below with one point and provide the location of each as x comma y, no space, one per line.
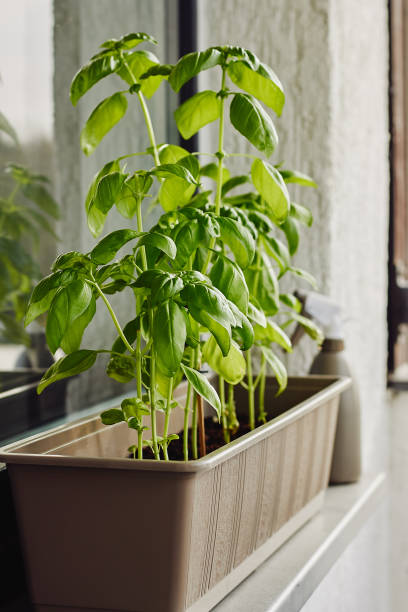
285,581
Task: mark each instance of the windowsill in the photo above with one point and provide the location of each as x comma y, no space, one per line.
285,581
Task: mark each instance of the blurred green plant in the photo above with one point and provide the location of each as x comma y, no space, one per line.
27,210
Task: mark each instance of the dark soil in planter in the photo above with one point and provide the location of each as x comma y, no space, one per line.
214,439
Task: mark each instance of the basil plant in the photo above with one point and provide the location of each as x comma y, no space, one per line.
205,278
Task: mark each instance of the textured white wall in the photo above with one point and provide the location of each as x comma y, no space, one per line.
332,59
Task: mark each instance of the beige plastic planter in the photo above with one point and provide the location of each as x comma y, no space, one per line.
103,532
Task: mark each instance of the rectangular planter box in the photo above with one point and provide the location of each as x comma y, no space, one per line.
21,408
102,532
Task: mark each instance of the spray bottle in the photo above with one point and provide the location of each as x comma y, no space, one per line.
346,464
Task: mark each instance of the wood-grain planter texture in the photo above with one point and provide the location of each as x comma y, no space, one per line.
104,532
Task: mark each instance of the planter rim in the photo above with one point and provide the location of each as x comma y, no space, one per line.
333,386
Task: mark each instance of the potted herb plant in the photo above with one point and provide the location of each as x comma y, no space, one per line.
205,288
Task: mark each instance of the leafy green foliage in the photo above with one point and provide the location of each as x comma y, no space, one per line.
201,385
258,79
169,336
27,214
250,119
196,112
239,239
278,368
228,277
271,187
71,365
107,248
101,121
192,64
90,74
292,176
69,303
211,265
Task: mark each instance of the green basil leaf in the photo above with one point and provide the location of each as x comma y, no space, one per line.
269,183
187,239
263,285
273,333
126,202
235,181
191,64
73,260
190,162
209,307
108,190
139,62
309,326
292,176
147,278
170,154
169,337
174,171
71,340
72,364
107,248
301,213
175,193
232,367
196,112
129,41
256,315
309,278
201,386
291,301
38,194
279,251
239,239
277,367
163,70
259,80
130,332
250,119
165,287
291,231
230,280
102,119
121,368
159,241
90,74
112,416
242,331
261,221
69,303
211,170
95,218
42,296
